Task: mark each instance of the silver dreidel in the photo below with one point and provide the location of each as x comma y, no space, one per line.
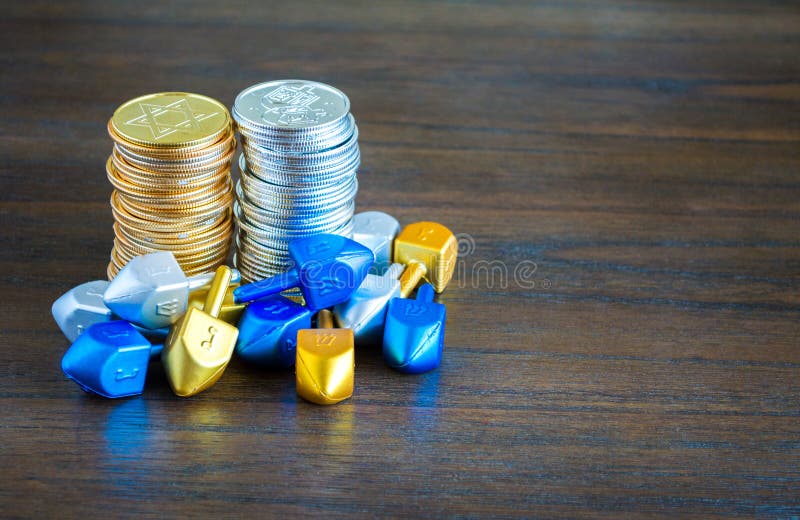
365,311
376,230
152,290
82,306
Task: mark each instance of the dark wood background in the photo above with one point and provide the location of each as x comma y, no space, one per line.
636,164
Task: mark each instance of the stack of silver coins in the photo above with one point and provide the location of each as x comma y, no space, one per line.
298,170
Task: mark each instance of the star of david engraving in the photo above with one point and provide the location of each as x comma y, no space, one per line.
164,120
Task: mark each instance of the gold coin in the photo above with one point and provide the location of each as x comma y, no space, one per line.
170,120
145,219
196,215
196,149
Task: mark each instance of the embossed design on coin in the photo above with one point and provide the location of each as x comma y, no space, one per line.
169,120
163,120
292,104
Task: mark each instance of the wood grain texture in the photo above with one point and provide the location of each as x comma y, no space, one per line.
636,163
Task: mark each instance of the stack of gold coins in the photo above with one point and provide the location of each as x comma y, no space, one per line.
170,168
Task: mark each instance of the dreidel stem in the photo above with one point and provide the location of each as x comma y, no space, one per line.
324,319
425,293
411,276
216,294
266,287
201,280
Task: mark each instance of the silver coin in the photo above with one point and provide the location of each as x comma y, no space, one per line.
291,105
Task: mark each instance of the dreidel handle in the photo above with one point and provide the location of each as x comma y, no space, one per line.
201,280
216,294
325,319
266,287
411,276
425,293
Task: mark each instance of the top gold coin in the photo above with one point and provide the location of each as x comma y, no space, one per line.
171,120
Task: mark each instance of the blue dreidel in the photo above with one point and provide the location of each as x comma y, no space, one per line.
413,338
82,306
328,268
110,359
268,331
153,291
365,311
376,230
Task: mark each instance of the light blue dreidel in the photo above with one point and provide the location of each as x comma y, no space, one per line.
82,306
413,337
328,268
376,230
268,331
153,291
365,311
110,359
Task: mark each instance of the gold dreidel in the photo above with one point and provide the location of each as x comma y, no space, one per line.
429,251
200,345
325,362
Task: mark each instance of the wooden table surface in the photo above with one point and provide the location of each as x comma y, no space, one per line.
622,335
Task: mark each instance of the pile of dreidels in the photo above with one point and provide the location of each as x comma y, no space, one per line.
356,288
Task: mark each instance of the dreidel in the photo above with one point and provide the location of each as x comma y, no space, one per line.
328,268
325,362
82,306
200,345
268,331
376,230
413,337
230,311
110,359
365,311
429,251
152,290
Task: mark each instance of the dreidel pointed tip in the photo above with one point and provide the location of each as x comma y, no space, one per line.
80,307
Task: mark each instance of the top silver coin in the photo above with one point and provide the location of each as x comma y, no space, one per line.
290,105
